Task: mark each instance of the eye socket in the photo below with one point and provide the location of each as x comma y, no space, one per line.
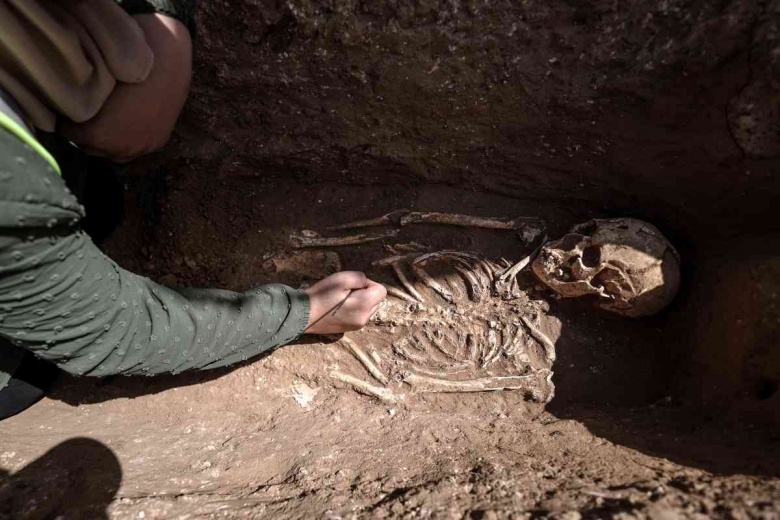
591,256
569,242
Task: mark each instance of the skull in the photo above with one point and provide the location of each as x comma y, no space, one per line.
626,263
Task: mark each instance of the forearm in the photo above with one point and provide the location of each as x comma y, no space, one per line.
64,300
78,309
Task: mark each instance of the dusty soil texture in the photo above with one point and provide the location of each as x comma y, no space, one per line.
308,114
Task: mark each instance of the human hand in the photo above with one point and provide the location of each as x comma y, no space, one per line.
342,302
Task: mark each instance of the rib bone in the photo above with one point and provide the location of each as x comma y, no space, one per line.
398,293
541,337
406,283
423,275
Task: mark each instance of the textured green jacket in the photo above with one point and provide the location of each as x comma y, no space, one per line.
64,300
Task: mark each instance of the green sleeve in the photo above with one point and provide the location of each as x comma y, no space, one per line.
64,300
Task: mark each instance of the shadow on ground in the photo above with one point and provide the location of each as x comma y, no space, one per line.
78,478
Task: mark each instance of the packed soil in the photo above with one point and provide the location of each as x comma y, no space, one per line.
305,115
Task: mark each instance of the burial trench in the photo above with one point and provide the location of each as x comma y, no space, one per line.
307,115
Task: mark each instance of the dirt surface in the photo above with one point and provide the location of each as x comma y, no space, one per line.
309,114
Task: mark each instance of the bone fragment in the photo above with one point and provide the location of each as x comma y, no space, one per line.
301,241
537,385
406,283
383,394
454,219
541,337
391,218
365,360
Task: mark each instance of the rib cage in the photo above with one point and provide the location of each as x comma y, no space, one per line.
452,325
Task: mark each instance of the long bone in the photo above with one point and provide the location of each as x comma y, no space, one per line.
301,241
393,217
365,360
454,219
531,384
383,394
404,217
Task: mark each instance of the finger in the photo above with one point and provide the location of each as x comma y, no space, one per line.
376,291
351,280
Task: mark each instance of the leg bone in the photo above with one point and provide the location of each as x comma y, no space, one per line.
537,386
383,394
365,360
301,241
391,218
454,219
